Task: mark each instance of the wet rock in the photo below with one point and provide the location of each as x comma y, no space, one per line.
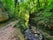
3,16
30,36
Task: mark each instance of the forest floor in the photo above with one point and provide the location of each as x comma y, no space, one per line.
8,32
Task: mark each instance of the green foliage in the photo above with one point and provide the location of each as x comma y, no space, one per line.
26,7
9,5
44,17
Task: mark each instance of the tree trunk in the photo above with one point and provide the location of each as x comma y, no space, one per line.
38,3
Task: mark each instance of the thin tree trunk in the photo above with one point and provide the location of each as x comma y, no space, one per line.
38,3
46,3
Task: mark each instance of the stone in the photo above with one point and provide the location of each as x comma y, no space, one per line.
3,16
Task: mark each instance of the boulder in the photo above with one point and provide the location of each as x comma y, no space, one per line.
3,16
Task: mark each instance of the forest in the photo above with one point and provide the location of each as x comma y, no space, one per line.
34,19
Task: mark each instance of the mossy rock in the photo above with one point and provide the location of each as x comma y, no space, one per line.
3,17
